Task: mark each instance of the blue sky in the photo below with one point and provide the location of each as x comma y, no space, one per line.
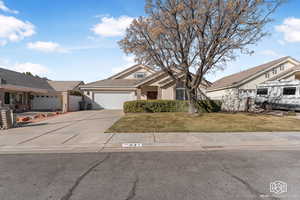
77,39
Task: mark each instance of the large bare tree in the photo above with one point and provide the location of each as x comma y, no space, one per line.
190,38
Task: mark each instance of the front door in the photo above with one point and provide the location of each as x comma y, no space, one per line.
151,95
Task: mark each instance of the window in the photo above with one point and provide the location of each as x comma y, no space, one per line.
267,75
180,92
281,67
274,71
140,75
7,98
88,93
289,91
19,99
262,91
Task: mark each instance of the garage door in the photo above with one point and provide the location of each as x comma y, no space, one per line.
112,100
45,102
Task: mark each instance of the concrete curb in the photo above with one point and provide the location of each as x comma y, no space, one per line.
104,142
146,148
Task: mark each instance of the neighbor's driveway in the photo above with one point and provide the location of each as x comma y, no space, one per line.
77,129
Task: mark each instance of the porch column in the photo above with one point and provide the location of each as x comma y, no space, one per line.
159,93
65,102
138,93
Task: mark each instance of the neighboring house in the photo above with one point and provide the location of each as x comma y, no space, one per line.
246,82
70,93
22,92
138,82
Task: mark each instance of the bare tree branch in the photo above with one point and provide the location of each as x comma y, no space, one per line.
196,37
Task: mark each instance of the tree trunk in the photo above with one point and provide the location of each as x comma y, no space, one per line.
192,101
192,108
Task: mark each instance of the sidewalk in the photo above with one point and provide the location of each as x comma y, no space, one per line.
107,142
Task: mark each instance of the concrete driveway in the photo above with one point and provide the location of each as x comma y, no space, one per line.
84,132
78,129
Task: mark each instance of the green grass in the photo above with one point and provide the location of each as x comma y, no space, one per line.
208,122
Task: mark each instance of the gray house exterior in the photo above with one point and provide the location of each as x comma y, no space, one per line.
21,92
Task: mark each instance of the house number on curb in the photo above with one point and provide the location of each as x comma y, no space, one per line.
132,145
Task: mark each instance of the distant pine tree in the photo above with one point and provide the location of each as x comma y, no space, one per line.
30,74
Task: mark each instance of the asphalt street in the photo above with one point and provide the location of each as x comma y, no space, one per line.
214,175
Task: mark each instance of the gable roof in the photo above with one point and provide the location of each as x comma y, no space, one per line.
116,82
131,70
286,73
112,83
14,80
237,78
62,86
134,83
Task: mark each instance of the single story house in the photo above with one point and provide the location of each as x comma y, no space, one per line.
70,93
22,92
139,82
246,81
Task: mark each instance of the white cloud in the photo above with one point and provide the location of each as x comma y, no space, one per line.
13,29
271,53
290,29
46,47
4,8
128,62
36,69
112,27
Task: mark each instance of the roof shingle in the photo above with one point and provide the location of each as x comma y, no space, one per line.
25,81
114,83
62,86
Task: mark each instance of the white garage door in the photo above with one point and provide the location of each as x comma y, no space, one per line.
45,102
112,100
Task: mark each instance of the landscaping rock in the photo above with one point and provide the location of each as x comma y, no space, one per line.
50,114
25,119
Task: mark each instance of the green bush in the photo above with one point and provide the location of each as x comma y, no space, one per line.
141,106
209,106
151,106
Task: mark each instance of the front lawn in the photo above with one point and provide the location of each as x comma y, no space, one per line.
208,122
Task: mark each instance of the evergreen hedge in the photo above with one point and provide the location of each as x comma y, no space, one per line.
151,106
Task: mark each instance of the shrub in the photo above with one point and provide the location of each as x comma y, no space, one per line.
209,106
155,106
151,106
